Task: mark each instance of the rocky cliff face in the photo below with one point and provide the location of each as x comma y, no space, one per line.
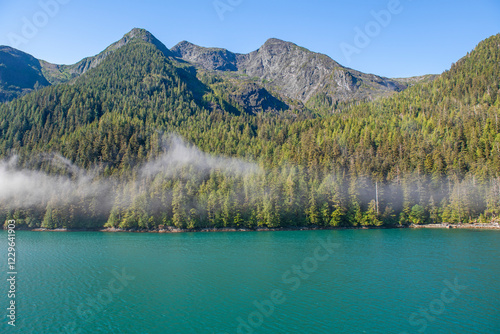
293,71
212,59
253,99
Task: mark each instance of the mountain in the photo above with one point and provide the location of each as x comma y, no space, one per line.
63,73
245,96
293,71
285,70
20,74
432,151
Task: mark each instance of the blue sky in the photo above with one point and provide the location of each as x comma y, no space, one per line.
419,37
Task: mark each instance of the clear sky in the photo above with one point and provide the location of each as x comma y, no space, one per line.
419,37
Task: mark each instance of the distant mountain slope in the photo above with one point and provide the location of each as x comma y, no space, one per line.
293,71
417,79
20,74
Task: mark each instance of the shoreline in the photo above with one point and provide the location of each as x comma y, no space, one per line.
488,226
170,229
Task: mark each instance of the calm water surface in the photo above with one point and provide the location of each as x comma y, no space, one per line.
373,281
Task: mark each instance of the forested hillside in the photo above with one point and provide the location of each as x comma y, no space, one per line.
104,150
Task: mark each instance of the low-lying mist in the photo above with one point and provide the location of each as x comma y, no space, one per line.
187,188
24,188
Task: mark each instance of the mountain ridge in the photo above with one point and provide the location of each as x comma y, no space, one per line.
295,71
284,67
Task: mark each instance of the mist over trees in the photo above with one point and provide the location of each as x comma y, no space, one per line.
106,151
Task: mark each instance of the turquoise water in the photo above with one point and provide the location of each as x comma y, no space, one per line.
349,281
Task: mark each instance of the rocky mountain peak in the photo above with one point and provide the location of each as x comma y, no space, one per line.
213,59
275,43
63,73
139,34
